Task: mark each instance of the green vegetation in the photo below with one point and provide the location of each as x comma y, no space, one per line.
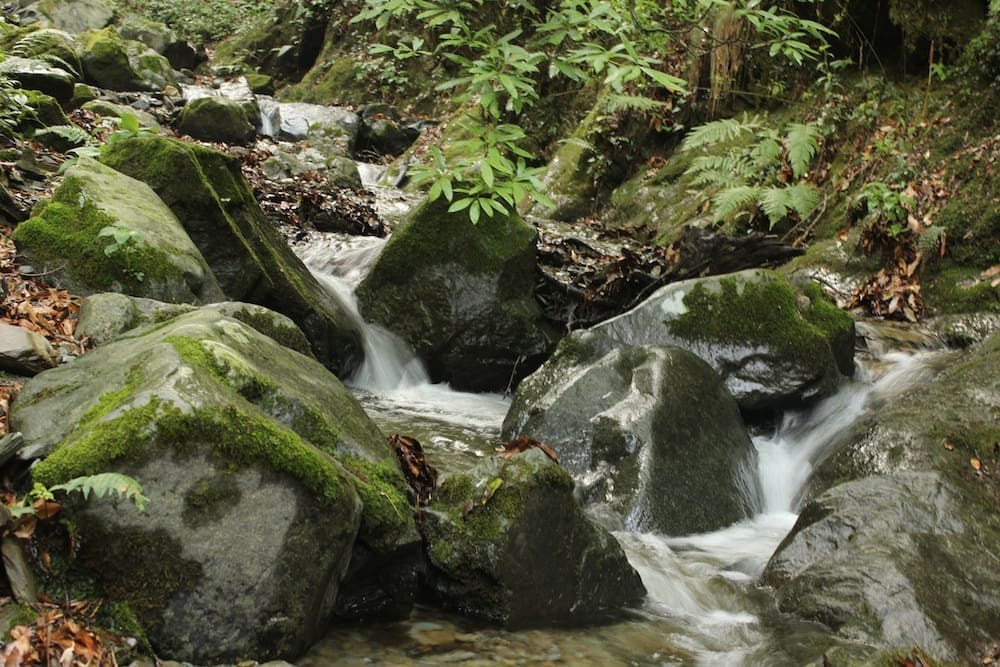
200,21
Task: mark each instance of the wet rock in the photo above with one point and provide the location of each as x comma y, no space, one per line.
241,446
771,348
383,131
461,296
332,130
24,352
35,74
207,191
68,238
235,89
216,119
658,428
508,543
897,555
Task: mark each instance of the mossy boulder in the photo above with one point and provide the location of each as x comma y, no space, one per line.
896,552
461,295
57,47
525,553
657,429
243,448
66,238
774,345
36,74
118,64
216,119
105,317
208,193
46,112
73,16
108,109
162,39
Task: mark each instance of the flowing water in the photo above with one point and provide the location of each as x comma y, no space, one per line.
702,607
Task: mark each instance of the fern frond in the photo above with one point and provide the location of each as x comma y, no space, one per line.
729,163
620,102
68,136
717,179
718,131
580,143
766,153
106,484
47,45
932,238
803,198
779,202
730,201
802,143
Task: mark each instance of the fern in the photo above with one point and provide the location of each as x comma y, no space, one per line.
731,201
766,153
802,144
40,46
778,202
933,238
106,484
718,131
717,179
617,103
70,134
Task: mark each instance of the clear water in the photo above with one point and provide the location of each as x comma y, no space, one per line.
702,605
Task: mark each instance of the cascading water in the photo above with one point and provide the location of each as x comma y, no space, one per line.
701,606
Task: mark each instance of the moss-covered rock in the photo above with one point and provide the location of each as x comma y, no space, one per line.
261,469
461,296
897,554
65,238
659,425
118,64
773,346
57,47
162,39
216,119
82,93
208,193
108,109
524,554
45,112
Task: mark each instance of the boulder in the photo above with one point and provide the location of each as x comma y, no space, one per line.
660,428
118,64
73,16
291,160
243,448
332,130
162,39
383,132
899,555
45,111
148,253
773,346
105,317
461,295
207,191
235,89
24,352
216,119
508,543
36,74
107,109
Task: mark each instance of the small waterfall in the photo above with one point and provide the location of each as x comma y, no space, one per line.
340,263
371,174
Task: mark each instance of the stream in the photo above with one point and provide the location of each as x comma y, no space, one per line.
702,606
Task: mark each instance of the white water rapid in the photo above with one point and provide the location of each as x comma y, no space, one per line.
702,606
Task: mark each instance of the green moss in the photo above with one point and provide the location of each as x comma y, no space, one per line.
209,499
383,491
193,352
20,614
755,313
123,621
108,401
46,111
955,289
66,231
233,434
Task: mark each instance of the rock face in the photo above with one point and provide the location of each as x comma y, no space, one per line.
240,445
216,119
659,426
208,193
461,296
901,555
35,74
65,237
525,554
772,347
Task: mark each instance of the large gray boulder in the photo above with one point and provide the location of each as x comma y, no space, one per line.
73,16
461,295
508,543
332,130
903,553
63,238
658,426
774,346
208,193
36,74
263,474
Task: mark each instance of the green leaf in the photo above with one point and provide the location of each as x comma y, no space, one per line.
106,484
802,144
486,171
